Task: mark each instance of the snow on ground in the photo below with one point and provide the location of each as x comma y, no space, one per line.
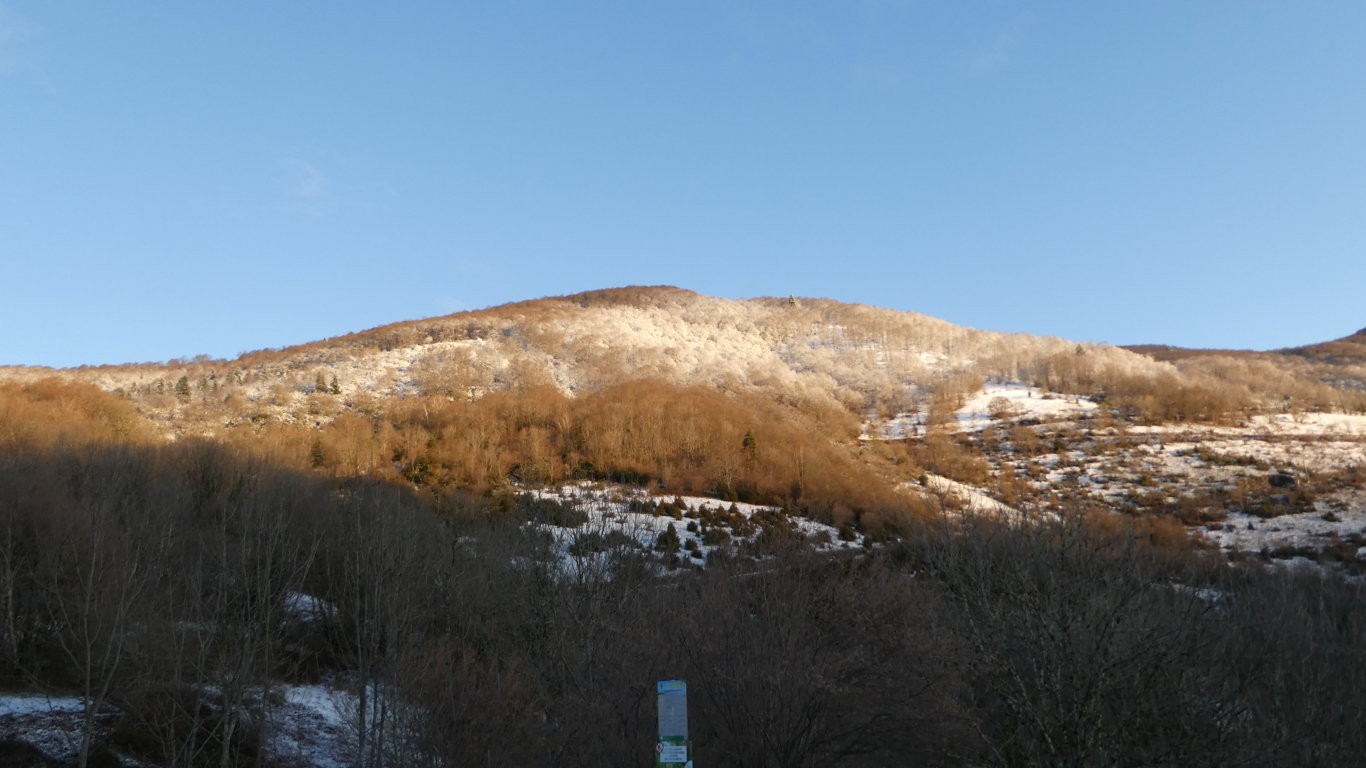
52,724
612,521
1220,474
390,371
1014,400
932,360
1311,425
900,427
22,704
307,609
1298,532
972,498
1313,456
1222,480
1345,424
1313,442
310,729
1019,401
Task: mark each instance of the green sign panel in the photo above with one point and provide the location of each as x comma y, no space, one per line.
673,748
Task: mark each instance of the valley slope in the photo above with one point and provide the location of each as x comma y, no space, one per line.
842,412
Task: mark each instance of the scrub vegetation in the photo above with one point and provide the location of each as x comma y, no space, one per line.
1033,552
178,590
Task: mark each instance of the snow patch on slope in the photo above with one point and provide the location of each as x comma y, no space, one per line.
609,509
1019,401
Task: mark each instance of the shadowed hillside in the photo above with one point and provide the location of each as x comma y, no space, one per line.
873,535
831,410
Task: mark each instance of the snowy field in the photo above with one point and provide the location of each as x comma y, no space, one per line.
311,728
980,411
1017,401
307,730
615,518
52,724
1216,478
1329,525
970,497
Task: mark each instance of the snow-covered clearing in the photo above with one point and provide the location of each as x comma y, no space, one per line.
620,515
1016,401
972,498
1314,424
303,608
900,427
1335,523
1315,443
52,724
309,728
985,409
1278,484
312,727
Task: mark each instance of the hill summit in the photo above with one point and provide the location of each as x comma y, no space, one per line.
855,355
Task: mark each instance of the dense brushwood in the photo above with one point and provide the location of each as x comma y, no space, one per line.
179,586
736,446
51,411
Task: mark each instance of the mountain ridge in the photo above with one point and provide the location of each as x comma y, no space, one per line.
855,355
872,361
1340,363
647,297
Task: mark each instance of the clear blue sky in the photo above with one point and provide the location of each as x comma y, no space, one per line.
183,178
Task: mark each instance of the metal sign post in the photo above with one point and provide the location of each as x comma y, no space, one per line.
673,747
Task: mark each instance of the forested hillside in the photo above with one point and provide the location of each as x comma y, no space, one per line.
864,537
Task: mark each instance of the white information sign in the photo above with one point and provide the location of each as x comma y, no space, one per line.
673,753
673,709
